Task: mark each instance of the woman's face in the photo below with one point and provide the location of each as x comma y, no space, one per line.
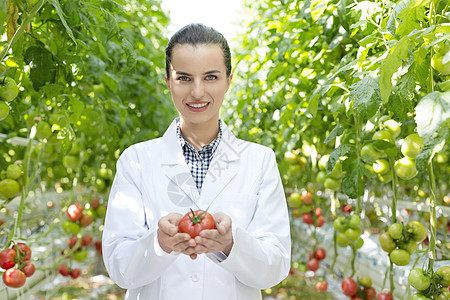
198,82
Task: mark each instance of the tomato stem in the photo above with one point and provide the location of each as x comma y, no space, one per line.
393,220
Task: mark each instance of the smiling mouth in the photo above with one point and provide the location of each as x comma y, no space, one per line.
198,105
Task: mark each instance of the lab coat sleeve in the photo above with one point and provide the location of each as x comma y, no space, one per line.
261,253
131,251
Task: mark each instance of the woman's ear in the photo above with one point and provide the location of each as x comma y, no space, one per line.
167,81
229,81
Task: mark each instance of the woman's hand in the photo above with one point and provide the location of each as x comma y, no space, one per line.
213,240
171,240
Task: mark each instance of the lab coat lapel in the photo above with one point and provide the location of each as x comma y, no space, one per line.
181,188
222,169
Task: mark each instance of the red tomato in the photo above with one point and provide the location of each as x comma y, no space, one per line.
370,292
349,287
24,251
86,220
98,247
318,211
72,241
307,219
86,240
29,269
14,278
307,197
195,221
322,286
385,296
95,203
63,270
75,211
75,273
7,258
313,265
320,253
320,221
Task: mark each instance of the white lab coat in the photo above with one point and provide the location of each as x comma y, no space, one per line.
153,179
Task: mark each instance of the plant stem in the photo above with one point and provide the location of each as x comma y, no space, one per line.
433,222
26,181
393,220
357,150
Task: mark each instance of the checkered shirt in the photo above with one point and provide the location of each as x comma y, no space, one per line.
198,161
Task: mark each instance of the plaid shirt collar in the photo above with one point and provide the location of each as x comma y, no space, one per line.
210,148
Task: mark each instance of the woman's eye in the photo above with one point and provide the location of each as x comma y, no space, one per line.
211,77
183,78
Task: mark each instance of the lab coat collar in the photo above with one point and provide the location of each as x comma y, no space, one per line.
222,169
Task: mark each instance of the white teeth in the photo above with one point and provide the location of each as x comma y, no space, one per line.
199,105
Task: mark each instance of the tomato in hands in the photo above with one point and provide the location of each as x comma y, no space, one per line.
195,221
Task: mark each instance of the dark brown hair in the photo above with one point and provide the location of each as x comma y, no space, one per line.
198,34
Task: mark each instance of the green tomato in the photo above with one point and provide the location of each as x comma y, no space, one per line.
4,110
358,243
342,240
321,176
386,242
365,281
444,273
339,224
70,162
354,221
444,295
381,166
101,211
400,257
412,145
71,227
393,127
418,279
331,183
438,65
13,171
8,89
383,135
295,200
419,297
396,231
410,246
405,168
385,177
9,188
418,230
371,151
80,255
336,173
352,234
322,163
43,130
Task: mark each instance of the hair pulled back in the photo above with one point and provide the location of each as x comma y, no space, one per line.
198,34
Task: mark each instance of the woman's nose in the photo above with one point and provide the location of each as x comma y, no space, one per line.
197,90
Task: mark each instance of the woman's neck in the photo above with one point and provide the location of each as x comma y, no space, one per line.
199,134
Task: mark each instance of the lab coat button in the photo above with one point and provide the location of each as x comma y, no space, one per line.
195,277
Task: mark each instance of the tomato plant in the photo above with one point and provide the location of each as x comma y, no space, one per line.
195,221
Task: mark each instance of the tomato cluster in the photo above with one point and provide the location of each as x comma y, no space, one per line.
65,271
80,253
428,283
314,259
360,290
349,231
79,217
302,205
331,180
401,241
17,264
11,183
8,91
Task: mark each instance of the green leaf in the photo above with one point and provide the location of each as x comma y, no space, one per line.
411,17
313,105
42,66
3,15
388,148
390,65
432,145
318,7
353,181
66,136
76,107
130,53
342,150
337,131
431,111
366,97
62,17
